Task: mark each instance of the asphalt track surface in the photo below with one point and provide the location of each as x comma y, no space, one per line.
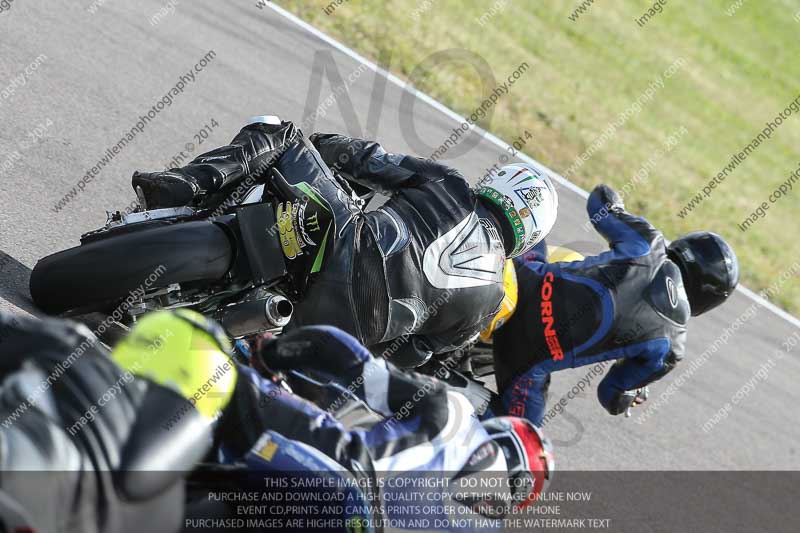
103,70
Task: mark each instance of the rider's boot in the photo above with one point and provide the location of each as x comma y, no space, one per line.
251,153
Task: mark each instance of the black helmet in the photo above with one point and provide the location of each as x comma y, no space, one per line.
709,268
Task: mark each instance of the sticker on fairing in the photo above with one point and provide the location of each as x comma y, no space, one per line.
291,246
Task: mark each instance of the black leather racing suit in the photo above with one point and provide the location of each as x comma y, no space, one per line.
81,443
427,265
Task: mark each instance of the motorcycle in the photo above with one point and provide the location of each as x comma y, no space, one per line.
220,256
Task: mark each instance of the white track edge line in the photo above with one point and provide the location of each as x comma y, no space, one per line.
489,136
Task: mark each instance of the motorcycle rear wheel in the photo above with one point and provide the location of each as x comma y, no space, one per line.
95,275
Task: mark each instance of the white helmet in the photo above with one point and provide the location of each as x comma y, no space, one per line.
525,197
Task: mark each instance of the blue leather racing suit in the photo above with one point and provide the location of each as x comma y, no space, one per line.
627,304
420,427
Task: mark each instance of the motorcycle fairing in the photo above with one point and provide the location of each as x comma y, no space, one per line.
305,469
261,252
305,227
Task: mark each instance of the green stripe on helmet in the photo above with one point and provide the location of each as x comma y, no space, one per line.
496,197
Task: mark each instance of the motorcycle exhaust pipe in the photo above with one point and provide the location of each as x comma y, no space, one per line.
256,315
278,310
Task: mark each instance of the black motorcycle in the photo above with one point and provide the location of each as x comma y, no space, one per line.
220,256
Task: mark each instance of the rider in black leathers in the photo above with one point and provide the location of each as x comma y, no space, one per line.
98,441
67,464
426,266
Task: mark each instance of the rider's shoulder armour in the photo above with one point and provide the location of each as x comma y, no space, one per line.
468,255
666,294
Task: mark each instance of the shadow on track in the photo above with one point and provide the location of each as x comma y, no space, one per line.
14,279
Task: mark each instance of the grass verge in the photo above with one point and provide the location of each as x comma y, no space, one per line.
590,68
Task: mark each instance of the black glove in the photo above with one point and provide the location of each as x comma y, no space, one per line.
322,349
609,196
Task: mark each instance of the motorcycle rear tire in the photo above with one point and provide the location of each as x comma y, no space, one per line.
96,275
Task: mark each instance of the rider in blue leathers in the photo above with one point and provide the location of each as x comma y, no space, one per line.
125,426
630,304
421,429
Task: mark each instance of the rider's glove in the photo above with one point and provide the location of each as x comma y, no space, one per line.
640,396
329,354
319,348
334,355
628,399
610,197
